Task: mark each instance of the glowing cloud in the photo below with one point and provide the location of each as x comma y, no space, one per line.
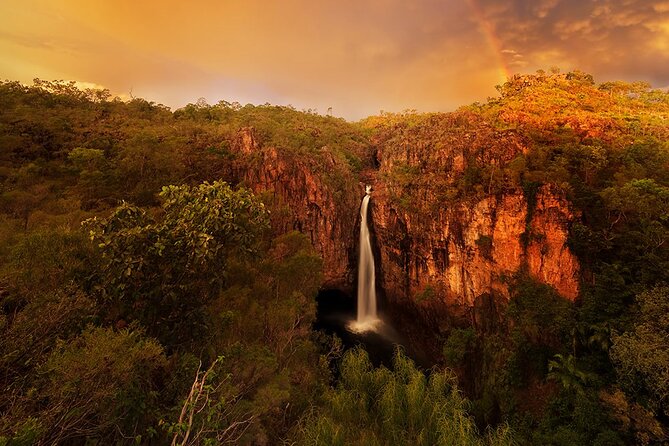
356,57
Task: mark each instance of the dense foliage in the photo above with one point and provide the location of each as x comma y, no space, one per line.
108,351
173,314
401,407
176,314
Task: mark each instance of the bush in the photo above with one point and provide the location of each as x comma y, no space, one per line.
101,385
458,344
400,407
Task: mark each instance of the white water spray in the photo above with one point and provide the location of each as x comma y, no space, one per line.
367,318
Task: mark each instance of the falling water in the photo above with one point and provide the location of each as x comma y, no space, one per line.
367,318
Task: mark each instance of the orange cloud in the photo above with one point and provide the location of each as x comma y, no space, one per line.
357,57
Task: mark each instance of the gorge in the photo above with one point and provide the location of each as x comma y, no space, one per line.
221,270
440,264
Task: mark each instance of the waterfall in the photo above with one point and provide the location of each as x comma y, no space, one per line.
367,318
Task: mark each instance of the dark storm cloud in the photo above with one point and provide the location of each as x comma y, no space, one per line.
627,39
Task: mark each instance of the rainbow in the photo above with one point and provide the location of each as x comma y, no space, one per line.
494,42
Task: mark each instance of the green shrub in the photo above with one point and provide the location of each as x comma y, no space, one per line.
459,343
402,406
103,384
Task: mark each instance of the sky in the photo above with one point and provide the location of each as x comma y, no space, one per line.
357,56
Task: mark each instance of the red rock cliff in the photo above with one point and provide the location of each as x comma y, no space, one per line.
473,248
459,247
314,193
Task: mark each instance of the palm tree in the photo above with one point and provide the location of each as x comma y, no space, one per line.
563,369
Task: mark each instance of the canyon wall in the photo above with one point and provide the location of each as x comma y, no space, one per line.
437,251
314,193
454,225
474,248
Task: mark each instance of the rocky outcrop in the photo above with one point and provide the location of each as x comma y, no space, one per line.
444,247
548,258
473,248
315,194
435,254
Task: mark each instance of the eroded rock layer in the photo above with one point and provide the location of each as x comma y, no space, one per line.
436,249
312,193
453,223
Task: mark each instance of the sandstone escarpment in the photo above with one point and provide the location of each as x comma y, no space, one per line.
472,248
548,256
452,227
436,250
314,193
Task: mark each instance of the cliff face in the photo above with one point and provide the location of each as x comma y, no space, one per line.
314,193
473,248
442,249
435,253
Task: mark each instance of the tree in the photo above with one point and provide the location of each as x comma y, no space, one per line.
459,343
399,407
641,355
210,414
564,370
103,384
163,270
93,170
20,204
262,324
